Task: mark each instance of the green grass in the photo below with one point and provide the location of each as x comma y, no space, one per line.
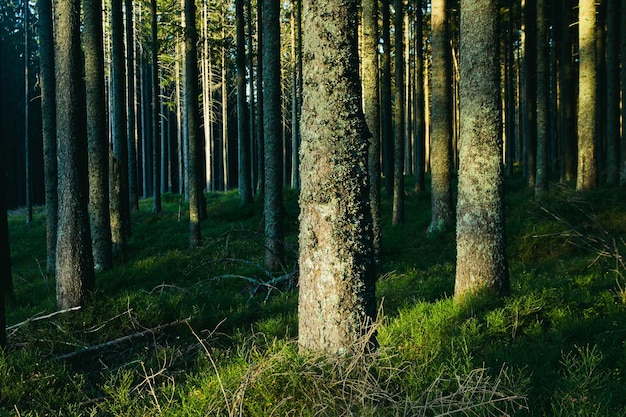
227,347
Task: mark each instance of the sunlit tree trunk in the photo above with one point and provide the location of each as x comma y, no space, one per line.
440,148
371,107
98,143
612,92
193,122
48,120
543,92
224,93
586,169
481,255
251,103
272,122
337,295
74,262
399,117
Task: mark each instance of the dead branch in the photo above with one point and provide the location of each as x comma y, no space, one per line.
38,318
122,339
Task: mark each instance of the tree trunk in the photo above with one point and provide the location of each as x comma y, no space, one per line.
419,107
27,146
386,101
566,99
612,93
337,295
622,75
260,99
48,120
586,169
371,107
399,117
243,125
529,91
440,157
156,143
130,107
74,262
481,255
193,122
6,280
251,103
542,95
98,145
272,122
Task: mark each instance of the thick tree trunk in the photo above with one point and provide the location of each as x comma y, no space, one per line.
337,297
74,262
98,144
371,107
193,122
440,148
243,125
260,100
48,120
481,254
586,171
399,117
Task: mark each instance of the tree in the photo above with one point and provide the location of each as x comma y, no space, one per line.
612,92
399,116
6,281
154,78
371,107
193,122
97,138
243,123
130,106
48,120
27,144
622,75
529,91
481,256
385,99
74,262
272,132
441,163
542,96
337,295
419,109
586,169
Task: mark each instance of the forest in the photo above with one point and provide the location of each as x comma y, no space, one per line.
312,208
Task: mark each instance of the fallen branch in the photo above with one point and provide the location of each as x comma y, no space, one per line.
38,318
122,339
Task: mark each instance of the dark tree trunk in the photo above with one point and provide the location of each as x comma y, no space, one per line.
98,145
260,100
386,102
612,93
337,294
48,119
193,122
27,145
243,125
481,252
371,104
6,280
130,107
566,89
156,143
542,95
74,262
529,92
272,126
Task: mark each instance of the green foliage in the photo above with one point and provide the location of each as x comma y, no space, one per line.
221,340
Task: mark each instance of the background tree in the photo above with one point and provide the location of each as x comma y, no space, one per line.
371,107
586,172
48,121
74,262
622,75
193,123
272,118
131,105
612,92
337,295
6,280
480,238
98,144
243,124
399,116
542,95
27,141
440,148
385,99
154,79
420,101
529,91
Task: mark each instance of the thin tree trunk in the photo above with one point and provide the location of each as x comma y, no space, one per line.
420,103
6,276
542,172
399,117
243,125
612,93
386,101
156,144
27,156
566,87
251,103
622,75
130,107
529,91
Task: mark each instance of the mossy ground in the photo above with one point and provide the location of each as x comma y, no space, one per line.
559,339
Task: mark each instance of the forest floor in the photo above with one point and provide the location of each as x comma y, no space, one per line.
175,332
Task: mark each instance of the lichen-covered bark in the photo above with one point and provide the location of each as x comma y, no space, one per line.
441,136
48,122
543,90
481,256
98,143
371,107
586,172
272,126
74,262
336,264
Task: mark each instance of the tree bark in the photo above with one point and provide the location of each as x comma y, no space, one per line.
529,91
74,262
156,143
337,296
440,148
27,145
6,280
543,91
481,253
98,145
48,120
622,75
586,169
566,87
386,101
272,122
419,107
243,123
399,117
130,107
612,93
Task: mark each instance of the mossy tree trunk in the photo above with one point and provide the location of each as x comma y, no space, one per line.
586,169
48,121
481,256
193,123
441,137
371,107
337,300
98,142
272,127
74,261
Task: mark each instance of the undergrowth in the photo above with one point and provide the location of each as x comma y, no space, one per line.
210,332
